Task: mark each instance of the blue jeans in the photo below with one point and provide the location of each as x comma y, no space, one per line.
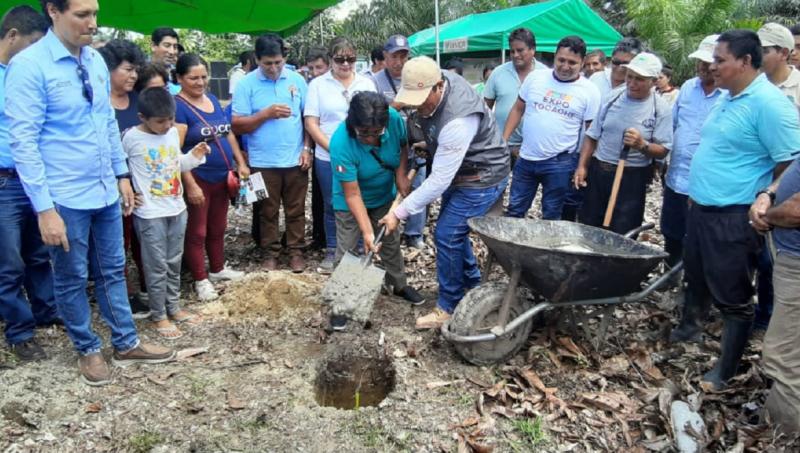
23,262
456,268
416,223
553,174
324,174
95,242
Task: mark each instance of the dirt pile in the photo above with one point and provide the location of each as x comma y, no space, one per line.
274,295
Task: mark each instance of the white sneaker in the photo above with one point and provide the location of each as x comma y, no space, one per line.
205,290
225,274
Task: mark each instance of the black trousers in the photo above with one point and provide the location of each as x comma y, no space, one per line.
674,209
629,209
720,256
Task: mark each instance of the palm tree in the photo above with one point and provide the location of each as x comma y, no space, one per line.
673,28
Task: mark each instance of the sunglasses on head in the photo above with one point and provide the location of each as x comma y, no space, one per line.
343,60
368,134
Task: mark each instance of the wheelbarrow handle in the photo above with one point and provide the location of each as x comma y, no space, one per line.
639,229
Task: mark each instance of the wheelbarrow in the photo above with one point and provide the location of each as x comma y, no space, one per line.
562,264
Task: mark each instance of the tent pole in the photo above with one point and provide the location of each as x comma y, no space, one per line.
436,30
503,50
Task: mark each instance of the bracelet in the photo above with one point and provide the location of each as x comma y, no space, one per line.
769,193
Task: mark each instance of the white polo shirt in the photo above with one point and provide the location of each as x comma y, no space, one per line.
329,101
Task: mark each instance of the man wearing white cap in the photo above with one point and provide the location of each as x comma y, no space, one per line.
697,96
751,134
777,44
471,163
636,118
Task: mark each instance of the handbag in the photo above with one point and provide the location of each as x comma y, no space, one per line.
232,180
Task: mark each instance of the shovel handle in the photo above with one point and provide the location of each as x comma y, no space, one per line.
382,231
612,200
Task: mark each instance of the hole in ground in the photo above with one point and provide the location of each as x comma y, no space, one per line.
354,376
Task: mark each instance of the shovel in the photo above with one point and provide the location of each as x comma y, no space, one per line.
356,282
612,200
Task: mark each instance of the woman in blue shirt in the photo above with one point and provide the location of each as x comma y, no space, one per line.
199,117
368,157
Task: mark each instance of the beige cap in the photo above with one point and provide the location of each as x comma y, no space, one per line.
420,74
705,51
645,64
773,34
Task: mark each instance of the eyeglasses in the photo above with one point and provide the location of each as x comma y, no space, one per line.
88,93
343,60
368,134
618,62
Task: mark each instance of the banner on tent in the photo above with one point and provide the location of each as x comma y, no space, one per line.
455,45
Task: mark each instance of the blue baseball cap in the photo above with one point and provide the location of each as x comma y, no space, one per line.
395,43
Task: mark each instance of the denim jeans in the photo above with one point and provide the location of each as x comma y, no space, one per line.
95,243
456,268
416,223
574,198
322,170
553,174
162,251
24,261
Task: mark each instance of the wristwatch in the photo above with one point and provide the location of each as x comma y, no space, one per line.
124,176
308,149
646,148
769,193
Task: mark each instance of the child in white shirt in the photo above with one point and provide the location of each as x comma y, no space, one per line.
156,163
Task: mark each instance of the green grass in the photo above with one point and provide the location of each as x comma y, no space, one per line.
531,432
144,442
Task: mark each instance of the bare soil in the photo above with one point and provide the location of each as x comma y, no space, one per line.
245,380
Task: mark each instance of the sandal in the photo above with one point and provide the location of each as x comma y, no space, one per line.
186,317
170,332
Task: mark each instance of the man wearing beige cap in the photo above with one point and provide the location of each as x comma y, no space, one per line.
637,119
694,102
777,44
471,163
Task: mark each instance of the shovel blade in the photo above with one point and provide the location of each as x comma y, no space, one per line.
353,288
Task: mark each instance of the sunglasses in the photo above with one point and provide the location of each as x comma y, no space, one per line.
368,134
343,60
88,93
617,62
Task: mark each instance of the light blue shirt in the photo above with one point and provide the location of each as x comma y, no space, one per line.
742,140
276,143
67,151
503,86
688,115
5,151
173,88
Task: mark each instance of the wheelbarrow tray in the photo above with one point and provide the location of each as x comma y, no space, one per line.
566,261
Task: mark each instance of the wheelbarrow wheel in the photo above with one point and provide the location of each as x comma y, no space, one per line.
477,313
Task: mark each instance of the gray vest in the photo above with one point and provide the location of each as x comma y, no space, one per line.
488,159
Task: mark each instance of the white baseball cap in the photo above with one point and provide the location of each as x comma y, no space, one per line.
419,75
645,64
705,51
773,34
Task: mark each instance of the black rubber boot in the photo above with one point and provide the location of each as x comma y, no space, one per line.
735,333
690,329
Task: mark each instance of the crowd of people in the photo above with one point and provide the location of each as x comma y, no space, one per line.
108,152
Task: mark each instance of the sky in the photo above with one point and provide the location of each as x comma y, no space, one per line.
341,10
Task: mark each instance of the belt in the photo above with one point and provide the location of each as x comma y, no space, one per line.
8,172
732,208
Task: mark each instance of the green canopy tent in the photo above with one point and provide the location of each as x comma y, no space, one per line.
210,16
488,32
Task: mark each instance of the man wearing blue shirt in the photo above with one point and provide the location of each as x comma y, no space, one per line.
164,44
751,134
25,261
66,147
778,209
268,106
697,96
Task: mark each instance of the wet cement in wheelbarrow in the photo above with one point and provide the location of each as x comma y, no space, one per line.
354,376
